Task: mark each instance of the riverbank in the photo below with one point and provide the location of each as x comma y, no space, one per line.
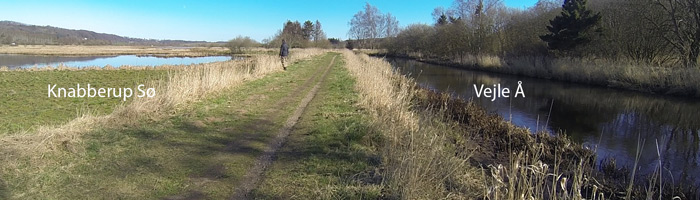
499,143
439,146
613,121
684,82
83,50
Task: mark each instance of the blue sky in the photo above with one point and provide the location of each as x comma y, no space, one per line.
212,20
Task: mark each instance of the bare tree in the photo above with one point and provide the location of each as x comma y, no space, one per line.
318,33
371,24
364,24
629,31
522,29
319,36
414,39
391,26
481,20
682,27
438,13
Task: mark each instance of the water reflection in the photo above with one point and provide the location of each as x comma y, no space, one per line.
609,120
14,61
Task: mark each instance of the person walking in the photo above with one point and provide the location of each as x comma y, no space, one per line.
284,52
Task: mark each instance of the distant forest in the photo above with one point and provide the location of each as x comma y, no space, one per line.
24,34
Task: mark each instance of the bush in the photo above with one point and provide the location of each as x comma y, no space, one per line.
239,43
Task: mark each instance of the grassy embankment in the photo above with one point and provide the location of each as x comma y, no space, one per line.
435,146
79,50
622,74
58,161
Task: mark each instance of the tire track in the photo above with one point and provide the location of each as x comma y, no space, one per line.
254,175
270,113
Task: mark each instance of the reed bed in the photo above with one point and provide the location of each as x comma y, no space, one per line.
438,147
624,74
419,162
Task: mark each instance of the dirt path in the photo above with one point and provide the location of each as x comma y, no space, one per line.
253,176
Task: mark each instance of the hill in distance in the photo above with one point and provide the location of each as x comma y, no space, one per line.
25,34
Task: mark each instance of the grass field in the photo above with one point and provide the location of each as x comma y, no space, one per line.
25,102
202,149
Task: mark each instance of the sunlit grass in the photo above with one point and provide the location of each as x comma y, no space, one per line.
26,103
418,160
331,154
42,155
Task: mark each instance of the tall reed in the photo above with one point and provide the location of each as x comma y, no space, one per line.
418,160
429,141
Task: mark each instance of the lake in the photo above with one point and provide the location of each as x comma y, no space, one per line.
17,61
611,121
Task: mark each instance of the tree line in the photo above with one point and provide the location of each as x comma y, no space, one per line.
296,34
660,32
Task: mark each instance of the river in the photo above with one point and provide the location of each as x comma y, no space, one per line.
611,121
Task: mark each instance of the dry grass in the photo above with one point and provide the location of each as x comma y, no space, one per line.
624,74
77,50
518,164
431,142
621,74
33,153
480,60
419,162
526,176
371,51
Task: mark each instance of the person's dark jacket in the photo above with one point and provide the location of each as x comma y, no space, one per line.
284,49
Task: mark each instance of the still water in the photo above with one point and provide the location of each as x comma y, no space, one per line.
15,61
609,120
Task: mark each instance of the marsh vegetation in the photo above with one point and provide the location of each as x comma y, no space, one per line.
632,45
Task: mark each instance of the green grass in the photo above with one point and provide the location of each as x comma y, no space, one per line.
201,151
330,154
25,104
